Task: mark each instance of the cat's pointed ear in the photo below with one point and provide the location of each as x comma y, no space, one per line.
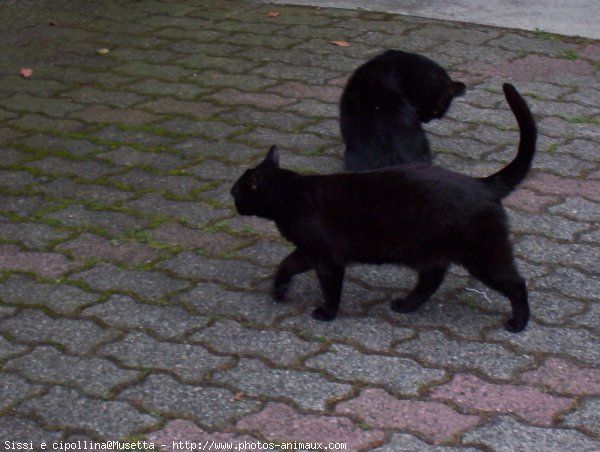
457,89
272,158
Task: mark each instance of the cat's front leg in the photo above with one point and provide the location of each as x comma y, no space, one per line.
429,281
296,262
331,278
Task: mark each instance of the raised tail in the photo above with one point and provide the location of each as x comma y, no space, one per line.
505,180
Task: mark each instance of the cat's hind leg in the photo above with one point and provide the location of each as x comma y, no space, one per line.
296,262
331,279
429,281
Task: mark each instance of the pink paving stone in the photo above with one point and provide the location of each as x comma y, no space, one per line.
48,265
565,377
93,246
181,430
326,93
594,175
177,235
531,67
591,51
278,421
530,201
554,185
433,420
531,404
264,100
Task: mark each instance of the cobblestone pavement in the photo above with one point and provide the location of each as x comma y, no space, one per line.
134,301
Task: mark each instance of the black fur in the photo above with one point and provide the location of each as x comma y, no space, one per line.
419,215
384,104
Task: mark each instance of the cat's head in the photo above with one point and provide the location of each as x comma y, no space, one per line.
436,103
252,191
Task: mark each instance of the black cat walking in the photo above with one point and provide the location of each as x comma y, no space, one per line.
383,105
418,215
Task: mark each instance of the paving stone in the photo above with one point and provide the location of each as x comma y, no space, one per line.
180,90
98,114
21,430
505,434
572,283
212,300
209,406
38,123
136,137
266,252
115,223
363,332
142,180
410,443
182,430
124,312
24,206
23,102
494,360
578,209
91,246
552,308
529,201
92,375
309,390
33,327
181,236
128,156
15,180
565,377
587,416
279,347
63,299
195,213
32,235
83,169
432,420
547,251
147,285
89,95
401,375
13,389
572,342
10,349
48,265
190,362
235,274
62,407
589,318
280,423
100,195
472,393
214,170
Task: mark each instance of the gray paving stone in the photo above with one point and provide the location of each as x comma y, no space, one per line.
573,342
546,251
365,332
410,443
572,283
23,430
32,235
146,284
280,347
110,420
257,308
63,299
266,252
210,406
99,195
587,416
437,350
309,390
128,156
401,375
232,273
136,179
115,223
190,362
195,213
85,170
121,311
137,137
590,318
553,308
33,327
24,206
506,435
13,389
93,376
10,349
15,180
578,209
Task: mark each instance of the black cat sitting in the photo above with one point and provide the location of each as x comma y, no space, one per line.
385,102
419,215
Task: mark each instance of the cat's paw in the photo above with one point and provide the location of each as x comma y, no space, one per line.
403,306
513,326
279,292
322,315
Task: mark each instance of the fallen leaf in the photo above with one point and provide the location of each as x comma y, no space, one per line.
340,43
273,14
26,72
53,23
102,51
238,396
